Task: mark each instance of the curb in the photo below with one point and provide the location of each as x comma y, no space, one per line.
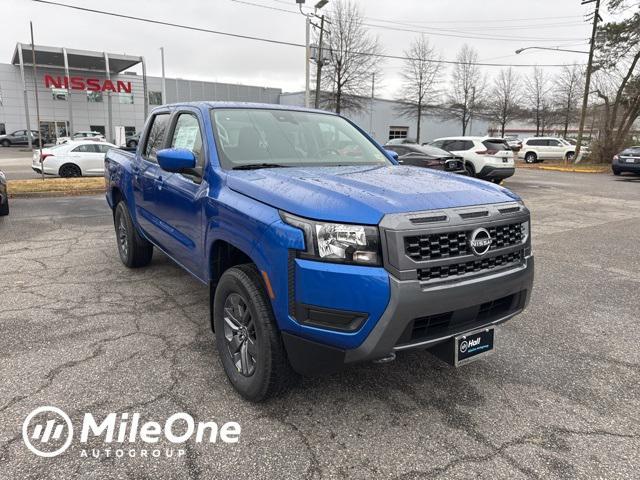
567,169
73,193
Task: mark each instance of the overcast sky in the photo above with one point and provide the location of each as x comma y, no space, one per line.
496,28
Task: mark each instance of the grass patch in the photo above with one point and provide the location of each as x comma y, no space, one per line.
55,186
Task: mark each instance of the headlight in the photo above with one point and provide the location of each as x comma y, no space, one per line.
337,242
525,231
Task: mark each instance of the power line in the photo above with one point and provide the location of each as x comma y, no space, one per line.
445,32
272,41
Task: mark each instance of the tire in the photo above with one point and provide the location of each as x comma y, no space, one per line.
616,172
530,157
497,181
570,156
134,251
132,144
4,208
469,168
248,340
69,170
6,143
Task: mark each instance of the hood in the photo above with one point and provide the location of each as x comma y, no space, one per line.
363,194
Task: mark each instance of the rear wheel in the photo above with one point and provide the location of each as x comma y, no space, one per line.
4,208
134,250
69,170
6,143
247,337
570,156
531,157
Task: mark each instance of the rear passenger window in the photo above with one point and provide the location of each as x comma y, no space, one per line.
553,143
155,138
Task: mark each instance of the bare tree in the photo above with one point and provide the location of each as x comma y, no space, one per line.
353,61
537,90
504,104
420,79
568,88
467,89
617,80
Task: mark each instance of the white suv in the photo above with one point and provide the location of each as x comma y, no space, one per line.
539,149
487,158
83,135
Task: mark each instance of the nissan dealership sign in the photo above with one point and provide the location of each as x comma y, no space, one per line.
90,84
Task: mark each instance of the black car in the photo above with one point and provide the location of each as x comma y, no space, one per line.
428,157
4,196
627,161
20,137
132,140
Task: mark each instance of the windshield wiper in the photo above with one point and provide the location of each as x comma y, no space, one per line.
256,166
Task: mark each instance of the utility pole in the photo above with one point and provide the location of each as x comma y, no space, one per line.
35,85
373,89
319,62
164,83
307,57
587,80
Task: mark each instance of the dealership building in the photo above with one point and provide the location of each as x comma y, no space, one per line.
111,93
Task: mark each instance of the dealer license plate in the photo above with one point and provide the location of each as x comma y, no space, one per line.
473,345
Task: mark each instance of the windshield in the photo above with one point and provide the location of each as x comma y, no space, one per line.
435,151
288,138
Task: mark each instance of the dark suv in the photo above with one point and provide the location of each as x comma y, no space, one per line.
627,161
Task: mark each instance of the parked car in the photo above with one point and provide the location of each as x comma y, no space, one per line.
627,160
72,159
401,141
82,135
539,149
132,140
487,158
4,195
428,156
318,248
514,142
20,137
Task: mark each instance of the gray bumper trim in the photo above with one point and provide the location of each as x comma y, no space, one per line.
409,300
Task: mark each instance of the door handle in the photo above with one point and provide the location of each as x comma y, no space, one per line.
159,182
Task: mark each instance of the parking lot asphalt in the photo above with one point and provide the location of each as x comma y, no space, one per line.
560,398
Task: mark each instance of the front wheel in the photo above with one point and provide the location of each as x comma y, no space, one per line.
470,170
70,170
6,143
247,337
530,157
134,250
616,172
570,156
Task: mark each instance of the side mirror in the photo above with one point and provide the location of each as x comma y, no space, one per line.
176,160
393,154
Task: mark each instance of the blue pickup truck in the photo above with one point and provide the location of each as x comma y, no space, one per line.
319,250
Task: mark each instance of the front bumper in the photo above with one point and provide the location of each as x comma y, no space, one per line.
464,306
618,166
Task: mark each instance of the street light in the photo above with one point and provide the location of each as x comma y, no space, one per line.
307,56
520,50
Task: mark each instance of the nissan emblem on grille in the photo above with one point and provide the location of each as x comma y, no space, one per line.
480,241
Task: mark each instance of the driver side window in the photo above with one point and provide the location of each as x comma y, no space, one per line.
186,134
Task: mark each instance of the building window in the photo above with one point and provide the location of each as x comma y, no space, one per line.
155,98
94,97
128,131
97,128
398,132
59,94
125,98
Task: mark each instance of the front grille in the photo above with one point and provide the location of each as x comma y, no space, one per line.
453,244
457,321
473,266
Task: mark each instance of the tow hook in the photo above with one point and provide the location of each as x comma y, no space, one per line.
386,359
